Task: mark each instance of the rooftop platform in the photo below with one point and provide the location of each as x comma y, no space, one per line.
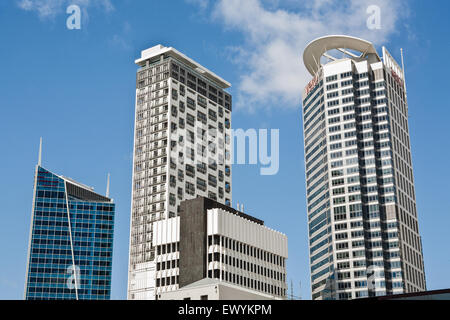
158,50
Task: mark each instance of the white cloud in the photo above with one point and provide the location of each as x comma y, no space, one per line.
277,31
120,39
50,8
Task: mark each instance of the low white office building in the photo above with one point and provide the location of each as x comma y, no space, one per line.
211,240
214,289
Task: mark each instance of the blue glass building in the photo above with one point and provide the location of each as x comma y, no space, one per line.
71,241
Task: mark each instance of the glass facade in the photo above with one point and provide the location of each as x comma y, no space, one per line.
71,241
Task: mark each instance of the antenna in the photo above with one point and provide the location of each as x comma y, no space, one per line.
242,207
107,186
40,152
403,64
238,206
300,290
292,290
403,70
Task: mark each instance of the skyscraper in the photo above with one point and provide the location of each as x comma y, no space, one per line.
181,150
71,241
363,231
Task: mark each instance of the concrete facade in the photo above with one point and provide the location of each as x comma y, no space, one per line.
193,251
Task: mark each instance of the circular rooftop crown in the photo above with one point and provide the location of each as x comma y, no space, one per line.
318,48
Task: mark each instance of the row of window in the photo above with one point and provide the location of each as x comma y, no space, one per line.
246,266
62,282
246,249
341,76
200,85
166,265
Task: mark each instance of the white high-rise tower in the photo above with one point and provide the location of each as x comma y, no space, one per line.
363,232
181,150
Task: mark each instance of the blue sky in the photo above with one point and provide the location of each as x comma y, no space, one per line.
75,88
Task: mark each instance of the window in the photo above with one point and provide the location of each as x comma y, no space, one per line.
201,184
201,117
333,111
332,78
190,119
172,200
190,170
333,94
201,101
335,128
201,167
212,115
190,188
212,180
335,146
333,103
212,195
190,103
332,86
